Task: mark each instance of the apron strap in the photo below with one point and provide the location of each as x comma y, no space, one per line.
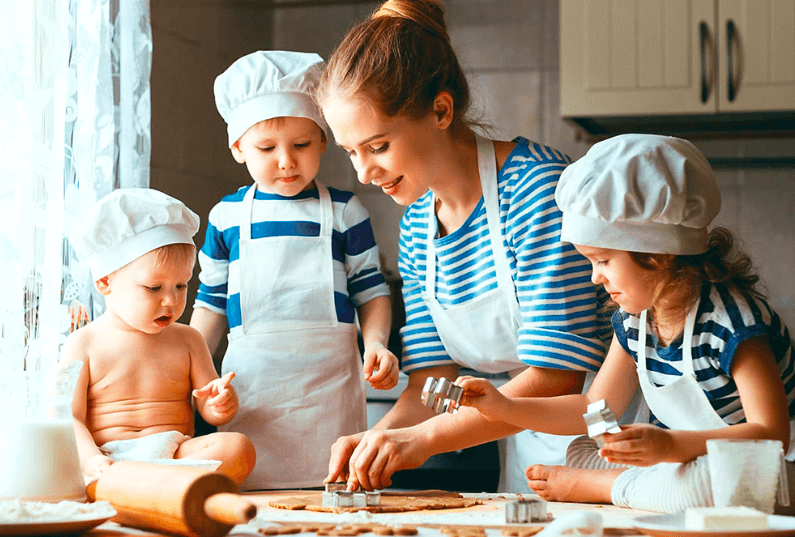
247,208
487,169
687,342
326,214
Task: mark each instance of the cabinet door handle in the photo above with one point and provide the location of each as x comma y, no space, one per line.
703,33
730,58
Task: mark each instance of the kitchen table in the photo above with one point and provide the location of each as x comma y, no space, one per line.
491,515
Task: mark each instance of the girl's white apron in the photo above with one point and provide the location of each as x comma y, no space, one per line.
298,370
683,405
482,334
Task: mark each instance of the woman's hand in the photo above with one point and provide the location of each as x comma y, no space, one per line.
369,459
639,445
484,396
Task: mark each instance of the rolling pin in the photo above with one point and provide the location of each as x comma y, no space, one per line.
172,499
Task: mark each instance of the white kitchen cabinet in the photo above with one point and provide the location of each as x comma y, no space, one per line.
676,57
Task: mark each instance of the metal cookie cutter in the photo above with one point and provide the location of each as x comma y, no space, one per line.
335,495
527,510
600,420
441,395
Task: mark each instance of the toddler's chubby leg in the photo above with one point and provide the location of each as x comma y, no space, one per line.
564,484
234,450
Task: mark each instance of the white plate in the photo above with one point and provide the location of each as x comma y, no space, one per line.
50,528
674,526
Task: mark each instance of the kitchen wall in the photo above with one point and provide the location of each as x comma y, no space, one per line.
509,49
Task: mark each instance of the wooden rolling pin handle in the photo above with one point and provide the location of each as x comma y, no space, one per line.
228,508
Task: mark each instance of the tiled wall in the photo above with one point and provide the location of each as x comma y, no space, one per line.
510,50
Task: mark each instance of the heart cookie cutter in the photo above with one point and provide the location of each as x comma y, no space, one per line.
441,395
600,420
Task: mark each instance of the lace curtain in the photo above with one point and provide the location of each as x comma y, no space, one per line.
75,111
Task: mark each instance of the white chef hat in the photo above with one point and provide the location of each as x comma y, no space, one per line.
128,223
267,84
639,193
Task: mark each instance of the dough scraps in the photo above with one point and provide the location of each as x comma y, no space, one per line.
391,502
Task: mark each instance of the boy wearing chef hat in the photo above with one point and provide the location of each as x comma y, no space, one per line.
692,330
142,370
286,266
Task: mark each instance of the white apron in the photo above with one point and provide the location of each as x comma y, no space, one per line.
482,334
298,370
681,405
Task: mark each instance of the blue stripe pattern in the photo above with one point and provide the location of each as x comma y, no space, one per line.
354,250
564,324
726,317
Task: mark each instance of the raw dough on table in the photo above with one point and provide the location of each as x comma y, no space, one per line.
391,502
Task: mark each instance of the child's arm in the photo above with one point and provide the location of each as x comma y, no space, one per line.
92,461
616,382
380,364
216,398
763,398
211,325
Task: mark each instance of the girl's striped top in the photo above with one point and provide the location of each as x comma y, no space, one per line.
357,270
564,322
725,318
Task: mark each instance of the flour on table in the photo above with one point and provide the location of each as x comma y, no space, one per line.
21,511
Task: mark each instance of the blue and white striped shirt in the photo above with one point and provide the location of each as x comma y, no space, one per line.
357,270
725,318
564,323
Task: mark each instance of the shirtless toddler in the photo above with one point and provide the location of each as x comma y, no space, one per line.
143,370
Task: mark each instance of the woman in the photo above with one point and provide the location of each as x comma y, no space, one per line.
503,294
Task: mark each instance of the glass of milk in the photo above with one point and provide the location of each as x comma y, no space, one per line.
746,473
38,451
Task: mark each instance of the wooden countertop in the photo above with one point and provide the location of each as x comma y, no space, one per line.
616,520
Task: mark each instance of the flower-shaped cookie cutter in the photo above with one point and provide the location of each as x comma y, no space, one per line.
335,495
441,395
600,420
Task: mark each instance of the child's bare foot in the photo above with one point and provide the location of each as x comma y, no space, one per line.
566,484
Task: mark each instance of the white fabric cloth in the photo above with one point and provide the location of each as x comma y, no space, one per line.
154,446
268,84
639,193
299,377
128,223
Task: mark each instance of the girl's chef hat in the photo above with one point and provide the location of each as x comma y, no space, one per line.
639,193
128,223
267,84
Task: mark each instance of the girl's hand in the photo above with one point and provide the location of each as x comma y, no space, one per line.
220,400
484,396
380,367
638,445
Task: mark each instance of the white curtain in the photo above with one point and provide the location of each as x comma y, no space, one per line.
75,117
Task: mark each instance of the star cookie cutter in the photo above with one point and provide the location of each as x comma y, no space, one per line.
600,420
441,395
525,511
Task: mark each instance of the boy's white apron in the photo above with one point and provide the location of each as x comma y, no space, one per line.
298,370
482,334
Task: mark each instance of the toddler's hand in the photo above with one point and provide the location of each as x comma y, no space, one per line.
482,395
94,466
219,395
640,444
380,367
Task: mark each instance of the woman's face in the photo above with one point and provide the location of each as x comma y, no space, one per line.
395,154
